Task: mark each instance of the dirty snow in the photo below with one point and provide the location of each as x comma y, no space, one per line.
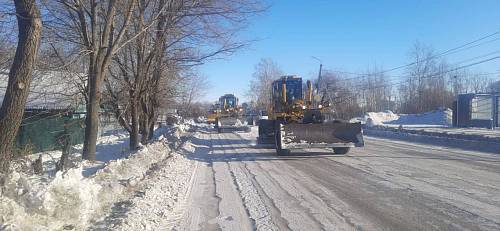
75,198
155,199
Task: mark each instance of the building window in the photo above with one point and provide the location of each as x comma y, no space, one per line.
482,108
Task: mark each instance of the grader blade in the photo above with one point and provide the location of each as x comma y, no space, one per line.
230,124
331,134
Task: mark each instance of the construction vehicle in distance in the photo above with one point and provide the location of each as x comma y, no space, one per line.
212,113
229,115
295,121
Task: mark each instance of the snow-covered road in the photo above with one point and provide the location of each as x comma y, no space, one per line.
387,185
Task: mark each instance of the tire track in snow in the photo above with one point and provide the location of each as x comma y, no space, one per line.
232,212
337,210
299,187
254,204
276,215
288,196
305,190
180,208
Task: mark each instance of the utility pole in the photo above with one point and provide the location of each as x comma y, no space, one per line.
319,75
318,84
456,92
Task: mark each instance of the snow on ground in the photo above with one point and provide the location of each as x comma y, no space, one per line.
153,199
441,117
385,185
436,118
75,198
377,118
433,123
113,145
157,200
426,127
251,135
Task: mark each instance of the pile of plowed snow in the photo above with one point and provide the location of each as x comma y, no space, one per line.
70,199
439,117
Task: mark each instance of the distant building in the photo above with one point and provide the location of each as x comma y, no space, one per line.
477,110
54,109
51,91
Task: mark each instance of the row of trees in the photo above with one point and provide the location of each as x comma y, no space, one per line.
428,82
266,71
137,56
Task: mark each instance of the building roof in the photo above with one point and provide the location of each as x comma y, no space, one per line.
50,89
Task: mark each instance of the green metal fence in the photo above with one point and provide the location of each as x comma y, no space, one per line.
44,134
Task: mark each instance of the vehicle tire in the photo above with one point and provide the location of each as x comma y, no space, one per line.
266,131
341,151
277,140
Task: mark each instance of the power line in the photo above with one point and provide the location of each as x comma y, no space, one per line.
446,52
440,73
463,61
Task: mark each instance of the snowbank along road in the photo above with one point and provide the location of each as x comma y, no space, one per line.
387,185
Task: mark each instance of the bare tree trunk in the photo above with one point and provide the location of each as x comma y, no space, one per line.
153,116
14,102
96,24
145,129
145,119
134,114
92,116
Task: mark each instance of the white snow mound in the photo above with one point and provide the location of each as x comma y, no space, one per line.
441,117
71,200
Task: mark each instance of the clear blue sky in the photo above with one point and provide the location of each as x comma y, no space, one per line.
353,35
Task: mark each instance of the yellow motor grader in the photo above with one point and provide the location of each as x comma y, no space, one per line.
212,113
229,115
296,121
